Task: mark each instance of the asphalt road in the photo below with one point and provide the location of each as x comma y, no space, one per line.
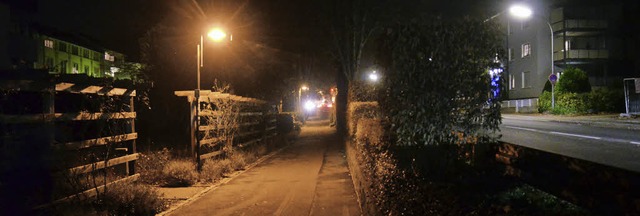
610,146
309,177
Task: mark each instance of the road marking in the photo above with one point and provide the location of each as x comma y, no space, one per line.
521,128
575,135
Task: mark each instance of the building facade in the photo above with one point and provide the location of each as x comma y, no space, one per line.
586,35
24,45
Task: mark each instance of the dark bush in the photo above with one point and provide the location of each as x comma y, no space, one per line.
573,80
284,123
607,100
440,80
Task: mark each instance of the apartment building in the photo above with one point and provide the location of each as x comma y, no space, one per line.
25,45
585,34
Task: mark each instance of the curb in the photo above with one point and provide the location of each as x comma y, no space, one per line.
221,182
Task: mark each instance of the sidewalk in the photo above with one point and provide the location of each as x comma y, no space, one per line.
309,177
607,120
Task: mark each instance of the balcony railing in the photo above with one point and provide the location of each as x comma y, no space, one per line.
582,54
581,24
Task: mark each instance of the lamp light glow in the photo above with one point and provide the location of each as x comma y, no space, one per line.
520,11
217,34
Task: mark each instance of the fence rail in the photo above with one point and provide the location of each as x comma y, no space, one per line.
256,122
28,116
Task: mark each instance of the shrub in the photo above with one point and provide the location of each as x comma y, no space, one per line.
238,160
544,102
359,110
284,123
573,80
571,103
150,166
212,170
179,173
130,199
440,81
607,100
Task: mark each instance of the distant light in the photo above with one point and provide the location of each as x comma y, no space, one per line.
329,105
309,106
520,11
304,87
217,34
373,76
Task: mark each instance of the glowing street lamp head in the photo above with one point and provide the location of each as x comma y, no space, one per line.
520,11
217,34
373,76
304,87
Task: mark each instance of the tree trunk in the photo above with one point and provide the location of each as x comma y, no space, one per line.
341,102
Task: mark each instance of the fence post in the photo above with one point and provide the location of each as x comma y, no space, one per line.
132,129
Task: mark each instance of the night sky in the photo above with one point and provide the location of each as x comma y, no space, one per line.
286,24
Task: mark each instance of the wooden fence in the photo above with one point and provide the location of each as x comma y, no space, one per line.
62,125
256,122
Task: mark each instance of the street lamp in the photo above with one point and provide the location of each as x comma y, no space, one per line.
217,35
523,12
303,87
373,76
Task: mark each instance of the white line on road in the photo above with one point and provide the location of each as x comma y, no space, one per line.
576,135
521,128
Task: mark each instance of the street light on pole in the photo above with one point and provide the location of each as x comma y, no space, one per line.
524,12
303,87
217,35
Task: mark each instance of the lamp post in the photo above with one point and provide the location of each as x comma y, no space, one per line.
523,12
217,35
303,87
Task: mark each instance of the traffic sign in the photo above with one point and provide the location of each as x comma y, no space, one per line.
553,79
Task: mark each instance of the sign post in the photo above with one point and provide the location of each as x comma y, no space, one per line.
553,79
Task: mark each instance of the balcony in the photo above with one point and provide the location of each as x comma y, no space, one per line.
582,54
580,24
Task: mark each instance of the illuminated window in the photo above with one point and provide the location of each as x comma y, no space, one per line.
108,57
75,68
512,81
48,43
526,50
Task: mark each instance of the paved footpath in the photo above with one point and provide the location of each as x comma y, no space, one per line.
310,177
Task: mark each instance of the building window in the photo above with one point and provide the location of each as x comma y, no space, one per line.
512,81
108,57
75,68
526,79
49,63
63,66
524,24
86,53
510,50
62,46
526,50
86,69
74,50
48,43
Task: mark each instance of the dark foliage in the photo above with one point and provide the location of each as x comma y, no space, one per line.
438,81
573,80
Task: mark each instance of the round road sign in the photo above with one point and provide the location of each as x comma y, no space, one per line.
553,78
